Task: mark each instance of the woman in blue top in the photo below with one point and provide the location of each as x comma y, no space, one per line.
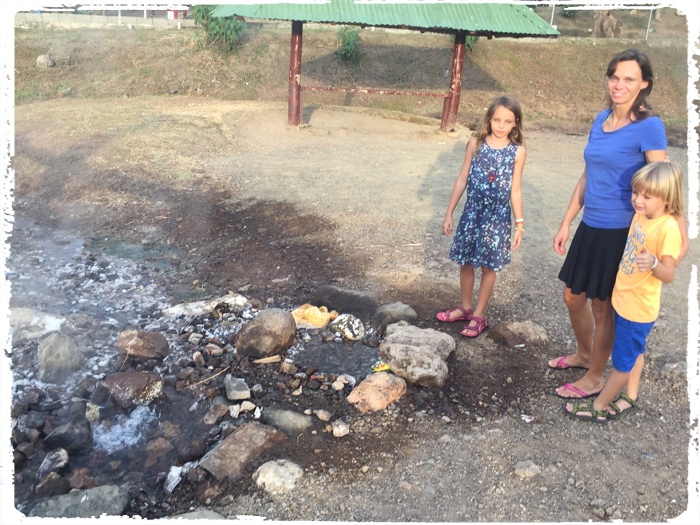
622,139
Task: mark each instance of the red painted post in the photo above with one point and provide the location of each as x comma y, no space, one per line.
294,111
451,105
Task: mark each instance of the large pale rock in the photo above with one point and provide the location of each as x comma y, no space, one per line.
270,333
45,61
142,345
345,301
518,334
419,355
377,392
231,456
392,313
110,500
200,515
236,302
59,356
417,365
134,388
277,477
408,334
29,324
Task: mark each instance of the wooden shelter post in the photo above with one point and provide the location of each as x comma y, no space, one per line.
451,104
294,105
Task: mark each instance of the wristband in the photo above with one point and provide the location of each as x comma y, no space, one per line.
656,261
519,220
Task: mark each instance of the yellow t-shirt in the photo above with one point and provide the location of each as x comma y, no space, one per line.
637,295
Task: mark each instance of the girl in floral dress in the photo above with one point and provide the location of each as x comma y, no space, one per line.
491,174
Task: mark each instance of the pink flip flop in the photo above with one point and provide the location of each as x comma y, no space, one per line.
561,364
580,394
445,316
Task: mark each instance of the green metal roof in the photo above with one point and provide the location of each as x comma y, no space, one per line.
485,19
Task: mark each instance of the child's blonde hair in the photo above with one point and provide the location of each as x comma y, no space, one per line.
661,179
511,104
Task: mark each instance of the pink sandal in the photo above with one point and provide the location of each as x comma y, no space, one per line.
475,331
465,316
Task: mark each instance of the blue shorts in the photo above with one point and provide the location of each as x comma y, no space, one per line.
630,342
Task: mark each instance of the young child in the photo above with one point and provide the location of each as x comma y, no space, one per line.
491,173
649,259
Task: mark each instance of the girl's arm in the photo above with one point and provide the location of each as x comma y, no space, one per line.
516,196
660,155
575,205
459,187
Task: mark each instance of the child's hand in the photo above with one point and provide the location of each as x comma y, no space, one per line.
644,260
517,239
447,225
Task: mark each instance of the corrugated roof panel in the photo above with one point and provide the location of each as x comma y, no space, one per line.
504,19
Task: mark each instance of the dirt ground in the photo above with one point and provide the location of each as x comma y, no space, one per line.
243,201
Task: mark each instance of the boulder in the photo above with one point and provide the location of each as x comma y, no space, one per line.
392,313
134,388
278,476
59,357
110,500
377,392
345,301
142,345
270,333
229,459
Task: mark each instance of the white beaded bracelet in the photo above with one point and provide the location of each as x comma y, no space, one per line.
519,220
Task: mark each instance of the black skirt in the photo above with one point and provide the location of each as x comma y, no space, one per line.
592,261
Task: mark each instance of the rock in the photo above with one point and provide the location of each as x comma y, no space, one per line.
323,415
55,461
73,436
349,326
277,477
81,479
345,301
340,428
59,356
203,514
392,313
134,388
142,345
52,485
155,450
231,456
419,355
90,503
271,332
377,392
289,421
28,324
236,302
236,388
215,414
518,334
45,61
526,469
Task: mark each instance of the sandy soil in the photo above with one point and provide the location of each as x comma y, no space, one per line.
357,200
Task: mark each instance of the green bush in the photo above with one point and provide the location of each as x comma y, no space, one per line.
221,33
568,13
348,39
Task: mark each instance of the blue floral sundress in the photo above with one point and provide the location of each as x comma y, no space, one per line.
482,237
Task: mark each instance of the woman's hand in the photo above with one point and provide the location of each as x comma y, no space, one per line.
447,225
560,239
